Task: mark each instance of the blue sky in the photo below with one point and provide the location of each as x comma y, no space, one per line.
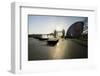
39,24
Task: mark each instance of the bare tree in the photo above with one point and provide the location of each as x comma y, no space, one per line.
63,33
55,33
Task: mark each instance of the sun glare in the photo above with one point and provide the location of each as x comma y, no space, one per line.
59,28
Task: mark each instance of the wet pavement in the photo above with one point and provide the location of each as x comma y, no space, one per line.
64,49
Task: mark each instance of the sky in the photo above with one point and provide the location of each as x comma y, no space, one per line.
41,24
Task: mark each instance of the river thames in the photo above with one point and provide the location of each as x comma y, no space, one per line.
64,49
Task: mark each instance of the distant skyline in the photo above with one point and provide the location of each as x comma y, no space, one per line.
41,24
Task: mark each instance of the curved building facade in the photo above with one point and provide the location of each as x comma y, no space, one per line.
75,30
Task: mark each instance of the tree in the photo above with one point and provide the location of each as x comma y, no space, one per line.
55,33
63,33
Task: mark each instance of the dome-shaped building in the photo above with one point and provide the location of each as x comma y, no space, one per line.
75,30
